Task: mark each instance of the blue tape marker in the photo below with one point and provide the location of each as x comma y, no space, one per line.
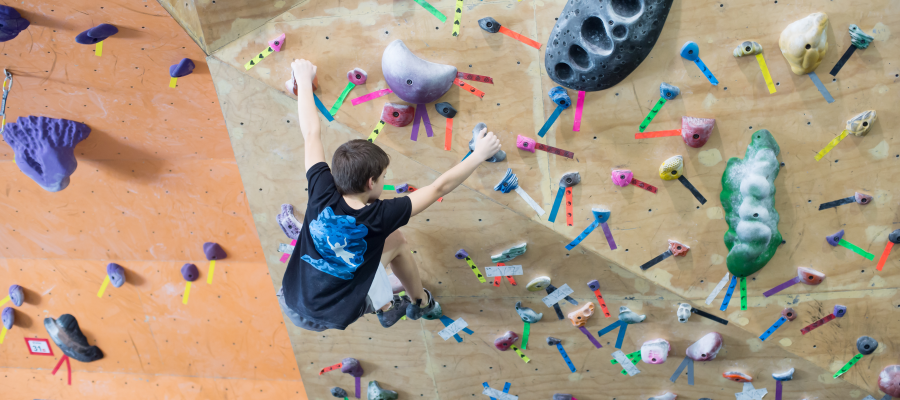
587,231
621,335
467,155
486,386
556,203
609,328
322,108
772,328
709,75
550,121
467,330
447,321
565,357
506,387
728,294
821,87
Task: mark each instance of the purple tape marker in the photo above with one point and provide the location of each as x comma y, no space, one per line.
609,237
591,337
415,129
357,386
425,120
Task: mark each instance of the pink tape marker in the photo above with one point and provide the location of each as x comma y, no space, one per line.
285,257
374,95
576,126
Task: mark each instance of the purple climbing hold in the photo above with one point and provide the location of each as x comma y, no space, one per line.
357,76
17,295
562,396
835,239
67,335
402,188
44,148
11,23
288,222
594,285
116,274
190,272
839,310
351,366
9,317
213,251
183,68
96,34
461,254
413,79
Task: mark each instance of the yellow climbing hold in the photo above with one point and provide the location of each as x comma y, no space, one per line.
672,168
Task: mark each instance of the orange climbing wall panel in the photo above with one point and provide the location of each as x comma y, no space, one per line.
155,180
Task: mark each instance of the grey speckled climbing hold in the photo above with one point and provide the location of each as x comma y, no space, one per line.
489,24
668,92
67,335
597,44
552,341
17,295
476,132
747,48
116,274
338,392
784,376
8,316
562,396
538,284
413,79
859,38
183,68
96,34
289,224
44,148
189,272
866,345
894,236
527,314
213,251
351,366
570,179
11,23
445,109
630,317
510,253
376,392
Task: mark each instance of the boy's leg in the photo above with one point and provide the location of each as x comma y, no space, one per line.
403,265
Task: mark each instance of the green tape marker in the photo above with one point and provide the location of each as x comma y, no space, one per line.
340,100
744,294
849,365
649,117
388,187
856,249
430,8
525,333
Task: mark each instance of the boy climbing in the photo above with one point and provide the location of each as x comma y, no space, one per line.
336,273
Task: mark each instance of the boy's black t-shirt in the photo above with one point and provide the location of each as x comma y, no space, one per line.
338,251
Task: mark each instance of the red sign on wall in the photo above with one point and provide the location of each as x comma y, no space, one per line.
39,347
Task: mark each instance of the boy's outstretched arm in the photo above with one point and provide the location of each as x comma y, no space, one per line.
486,146
304,72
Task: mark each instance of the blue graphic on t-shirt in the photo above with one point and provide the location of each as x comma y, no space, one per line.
340,243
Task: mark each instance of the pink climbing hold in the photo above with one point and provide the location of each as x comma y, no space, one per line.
398,115
503,343
525,143
862,198
889,380
622,177
695,131
357,76
276,44
705,349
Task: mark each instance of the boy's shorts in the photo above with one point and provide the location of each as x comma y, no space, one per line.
379,293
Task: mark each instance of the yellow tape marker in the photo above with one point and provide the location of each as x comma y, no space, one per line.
458,17
103,286
475,270
376,131
187,292
831,145
212,270
522,356
2,335
99,50
173,82
259,57
765,72
5,299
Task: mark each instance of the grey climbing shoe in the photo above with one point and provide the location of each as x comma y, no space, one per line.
392,315
415,311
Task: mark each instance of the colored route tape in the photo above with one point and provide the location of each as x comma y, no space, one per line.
656,134
589,336
684,181
841,62
68,367
609,236
366,97
656,260
706,72
772,328
587,231
777,390
743,293
817,324
621,336
610,328
884,255
187,293
554,150
340,100
849,365
832,204
686,363
560,193
656,107
718,288
475,269
856,249
646,186
103,286
525,332
473,77
821,87
550,121
518,36
506,387
558,310
388,187
211,271
173,81
448,136
834,142
602,303
469,88
565,357
425,120
534,205
414,135
793,281
98,51
373,136
576,124
707,315
4,300
434,11
486,386
457,17
447,321
259,57
2,335
519,352
626,363
569,212
357,379
330,368
729,293
765,71
635,358
322,108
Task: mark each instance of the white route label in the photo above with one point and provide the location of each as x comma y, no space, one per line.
627,365
503,271
285,248
498,394
558,295
453,329
718,288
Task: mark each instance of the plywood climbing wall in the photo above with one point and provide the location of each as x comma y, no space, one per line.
156,179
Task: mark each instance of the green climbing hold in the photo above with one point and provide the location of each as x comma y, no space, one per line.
748,197
859,38
376,392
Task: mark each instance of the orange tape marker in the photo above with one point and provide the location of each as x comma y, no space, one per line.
656,134
519,37
448,138
469,88
569,221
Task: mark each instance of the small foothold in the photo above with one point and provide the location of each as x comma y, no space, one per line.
510,253
213,251
116,274
655,351
580,316
45,148
594,285
376,392
894,236
489,24
527,314
622,177
665,396
560,97
562,396
398,115
861,123
500,155
68,337
784,376
8,316
668,92
339,392
183,68
538,284
190,272
525,143
17,295
290,225
461,254
276,43
683,312
860,39
357,76
866,345
737,376
810,276
747,49
690,51
705,349
630,317
570,179
678,249
804,43
672,168
445,109
11,23
889,380
402,188
789,314
601,215
552,341
839,310
351,366
96,34
695,131
835,239
502,343
862,198
413,79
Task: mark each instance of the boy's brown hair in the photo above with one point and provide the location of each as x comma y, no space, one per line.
354,163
